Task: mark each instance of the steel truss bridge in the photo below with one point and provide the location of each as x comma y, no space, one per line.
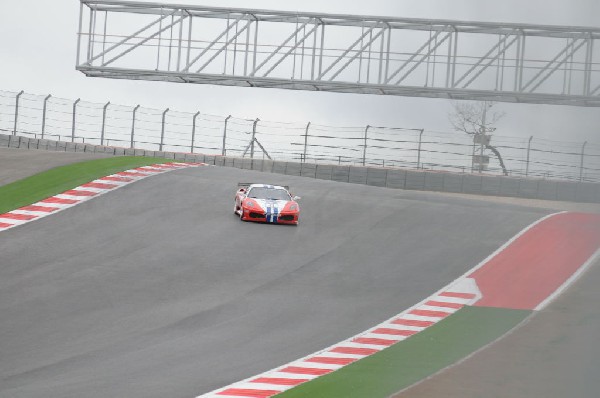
340,53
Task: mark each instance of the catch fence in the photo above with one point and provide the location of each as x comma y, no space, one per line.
46,116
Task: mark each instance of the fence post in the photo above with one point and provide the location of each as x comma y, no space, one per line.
103,122
365,146
133,125
44,115
74,117
17,111
528,150
419,149
253,138
224,150
162,130
305,142
194,132
581,163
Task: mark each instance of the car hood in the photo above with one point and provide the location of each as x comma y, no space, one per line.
271,206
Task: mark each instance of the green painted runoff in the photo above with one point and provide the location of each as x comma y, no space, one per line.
409,361
52,182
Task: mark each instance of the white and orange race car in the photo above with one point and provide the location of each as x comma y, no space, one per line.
266,203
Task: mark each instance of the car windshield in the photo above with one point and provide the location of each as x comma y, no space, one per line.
268,193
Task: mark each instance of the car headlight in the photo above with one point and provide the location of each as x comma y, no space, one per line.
294,207
249,203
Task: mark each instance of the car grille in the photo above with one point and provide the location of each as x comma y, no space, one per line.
256,215
286,218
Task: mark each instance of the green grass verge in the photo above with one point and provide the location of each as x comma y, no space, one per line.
415,358
48,183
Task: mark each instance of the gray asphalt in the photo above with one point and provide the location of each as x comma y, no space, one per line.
157,289
16,164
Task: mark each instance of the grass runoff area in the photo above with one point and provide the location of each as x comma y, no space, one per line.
409,361
52,182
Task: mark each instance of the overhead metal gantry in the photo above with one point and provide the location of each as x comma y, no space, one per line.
341,53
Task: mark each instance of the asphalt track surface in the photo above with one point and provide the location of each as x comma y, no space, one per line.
16,164
157,289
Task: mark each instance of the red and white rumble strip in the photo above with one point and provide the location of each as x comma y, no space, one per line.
447,301
514,276
84,193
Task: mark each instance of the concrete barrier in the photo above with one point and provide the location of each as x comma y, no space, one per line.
42,144
256,164
247,163
509,186
376,177
453,182
547,190
238,163
308,170
14,141
415,180
4,140
52,145
396,179
472,184
228,161
433,181
219,161
357,175
528,188
279,167
340,173
324,172
293,169
23,142
267,166
490,185
381,177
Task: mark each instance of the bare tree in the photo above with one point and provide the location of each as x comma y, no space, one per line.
477,119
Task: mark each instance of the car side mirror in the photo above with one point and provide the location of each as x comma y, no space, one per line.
295,198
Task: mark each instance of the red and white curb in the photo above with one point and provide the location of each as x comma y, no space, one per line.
412,321
84,193
459,293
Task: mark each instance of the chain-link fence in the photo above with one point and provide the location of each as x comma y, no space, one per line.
77,120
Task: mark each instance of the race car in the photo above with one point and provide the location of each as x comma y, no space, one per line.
266,203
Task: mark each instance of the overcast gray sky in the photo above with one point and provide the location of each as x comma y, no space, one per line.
37,54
